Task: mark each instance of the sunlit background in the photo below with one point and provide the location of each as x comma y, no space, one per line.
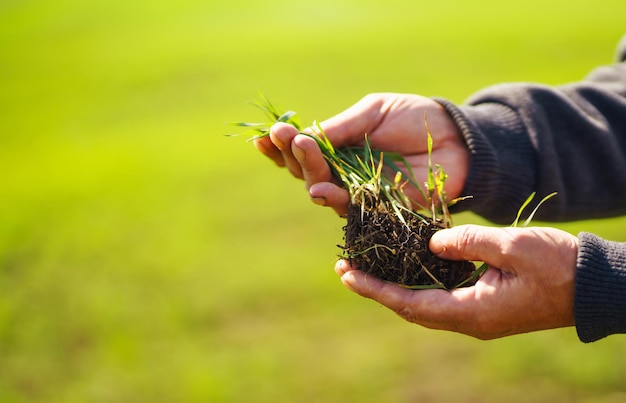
146,257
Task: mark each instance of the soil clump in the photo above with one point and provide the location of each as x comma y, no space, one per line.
377,242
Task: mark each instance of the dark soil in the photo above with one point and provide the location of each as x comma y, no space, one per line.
378,243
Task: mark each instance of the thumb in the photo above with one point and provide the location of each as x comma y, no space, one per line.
349,127
471,242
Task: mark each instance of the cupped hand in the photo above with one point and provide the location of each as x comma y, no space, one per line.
393,123
528,286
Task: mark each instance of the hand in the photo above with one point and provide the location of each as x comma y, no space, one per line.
393,122
529,285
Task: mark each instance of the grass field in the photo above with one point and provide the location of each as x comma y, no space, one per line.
145,257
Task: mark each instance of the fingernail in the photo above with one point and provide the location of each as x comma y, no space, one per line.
277,141
340,267
298,153
320,201
435,245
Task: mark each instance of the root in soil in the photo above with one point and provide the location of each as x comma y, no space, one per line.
384,237
377,242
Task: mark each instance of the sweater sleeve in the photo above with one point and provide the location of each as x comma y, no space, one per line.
569,139
599,303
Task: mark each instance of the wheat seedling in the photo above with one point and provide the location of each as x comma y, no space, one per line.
384,234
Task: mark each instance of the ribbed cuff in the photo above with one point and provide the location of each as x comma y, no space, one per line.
600,299
502,165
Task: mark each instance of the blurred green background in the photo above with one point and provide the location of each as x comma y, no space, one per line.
145,257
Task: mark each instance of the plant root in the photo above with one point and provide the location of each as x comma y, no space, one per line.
377,242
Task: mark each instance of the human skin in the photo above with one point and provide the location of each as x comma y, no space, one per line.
393,123
529,285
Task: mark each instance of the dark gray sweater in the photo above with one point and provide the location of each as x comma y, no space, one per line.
571,139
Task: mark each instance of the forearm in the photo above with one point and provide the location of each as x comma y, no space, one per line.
502,165
526,138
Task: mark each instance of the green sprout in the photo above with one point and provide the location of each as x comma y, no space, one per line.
360,169
532,214
483,267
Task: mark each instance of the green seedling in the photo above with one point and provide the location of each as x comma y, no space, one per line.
360,168
385,235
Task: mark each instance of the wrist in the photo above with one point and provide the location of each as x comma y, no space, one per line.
501,166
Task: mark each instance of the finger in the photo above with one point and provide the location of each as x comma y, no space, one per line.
267,148
394,297
342,267
435,309
350,126
473,242
313,165
281,135
330,195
